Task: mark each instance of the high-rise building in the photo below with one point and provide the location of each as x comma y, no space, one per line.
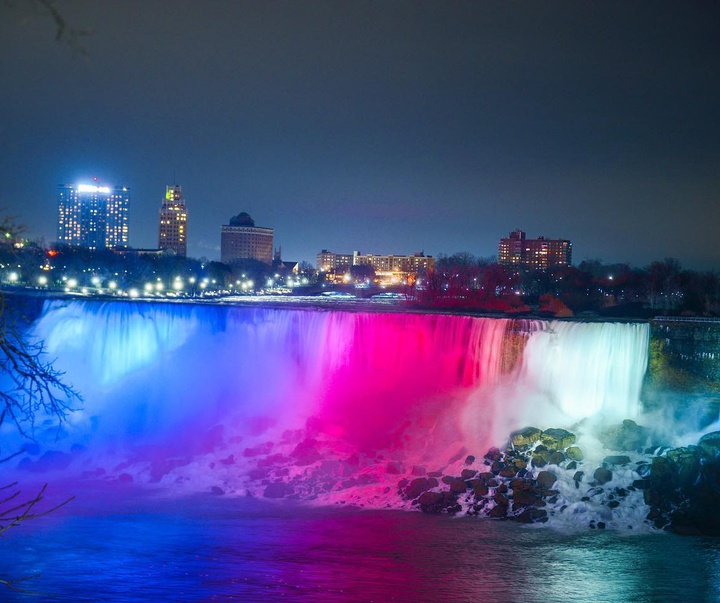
540,253
173,222
242,240
93,216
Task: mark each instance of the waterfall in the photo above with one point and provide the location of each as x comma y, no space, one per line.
169,379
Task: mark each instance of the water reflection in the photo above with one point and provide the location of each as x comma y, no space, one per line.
219,549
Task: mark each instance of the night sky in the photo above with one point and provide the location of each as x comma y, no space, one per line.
385,127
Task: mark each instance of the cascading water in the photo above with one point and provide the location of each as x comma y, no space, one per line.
200,396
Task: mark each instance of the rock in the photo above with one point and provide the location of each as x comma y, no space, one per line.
498,512
540,458
394,468
416,487
418,470
507,472
578,477
306,452
469,459
687,463
546,479
531,515
493,454
616,460
480,489
556,458
602,475
571,466
458,486
437,502
525,438
626,436
574,453
468,473
277,490
448,479
557,438
710,443
519,464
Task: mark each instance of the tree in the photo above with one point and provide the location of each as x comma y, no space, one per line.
30,385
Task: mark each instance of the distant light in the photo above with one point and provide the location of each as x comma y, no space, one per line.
72,282
95,280
13,277
42,280
112,285
134,293
89,188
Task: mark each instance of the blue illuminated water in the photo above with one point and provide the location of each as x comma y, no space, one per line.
209,548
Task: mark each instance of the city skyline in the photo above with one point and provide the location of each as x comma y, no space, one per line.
386,128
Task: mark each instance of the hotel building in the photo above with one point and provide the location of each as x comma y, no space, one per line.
93,216
539,254
242,240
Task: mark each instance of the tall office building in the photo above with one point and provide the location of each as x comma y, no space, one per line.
242,240
540,253
173,222
93,216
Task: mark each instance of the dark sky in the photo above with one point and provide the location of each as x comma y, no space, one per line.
385,127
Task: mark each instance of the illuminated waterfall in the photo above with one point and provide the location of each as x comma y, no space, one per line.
190,379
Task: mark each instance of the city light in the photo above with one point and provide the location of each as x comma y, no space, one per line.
89,188
42,280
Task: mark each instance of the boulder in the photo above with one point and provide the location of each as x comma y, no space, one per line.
616,460
546,479
557,438
574,453
525,438
416,487
602,475
710,444
626,436
277,490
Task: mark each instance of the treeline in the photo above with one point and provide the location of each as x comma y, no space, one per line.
662,287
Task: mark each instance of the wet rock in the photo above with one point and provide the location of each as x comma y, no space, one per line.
540,458
437,502
498,512
571,466
710,444
574,453
525,438
687,464
448,479
519,463
626,436
306,452
493,454
602,475
277,490
394,468
557,438
507,472
480,489
546,479
468,473
616,460
469,459
458,486
556,458
531,515
416,487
